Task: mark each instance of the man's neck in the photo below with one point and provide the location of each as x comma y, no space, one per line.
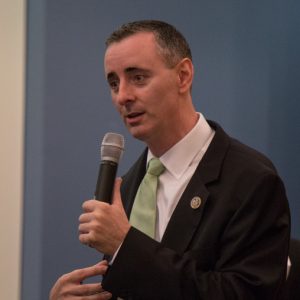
160,144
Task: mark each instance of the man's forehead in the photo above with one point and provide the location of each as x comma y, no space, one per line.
141,35
139,41
131,52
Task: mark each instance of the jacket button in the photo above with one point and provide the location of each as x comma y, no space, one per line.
196,202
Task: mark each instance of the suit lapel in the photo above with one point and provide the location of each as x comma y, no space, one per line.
186,217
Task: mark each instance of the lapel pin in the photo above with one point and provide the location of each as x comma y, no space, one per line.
196,202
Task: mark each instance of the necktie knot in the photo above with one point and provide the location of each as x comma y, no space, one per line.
155,167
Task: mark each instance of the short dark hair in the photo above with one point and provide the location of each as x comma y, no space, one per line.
171,43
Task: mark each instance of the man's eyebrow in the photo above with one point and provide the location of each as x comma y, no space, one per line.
129,70
111,75
135,69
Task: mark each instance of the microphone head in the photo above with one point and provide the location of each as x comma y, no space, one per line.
112,147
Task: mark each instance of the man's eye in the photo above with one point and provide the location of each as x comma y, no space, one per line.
139,78
113,85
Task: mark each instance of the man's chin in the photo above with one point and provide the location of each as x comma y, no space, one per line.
137,133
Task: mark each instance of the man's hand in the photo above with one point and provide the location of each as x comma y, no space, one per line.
70,286
104,226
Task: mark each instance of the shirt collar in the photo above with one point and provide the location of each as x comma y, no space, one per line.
186,149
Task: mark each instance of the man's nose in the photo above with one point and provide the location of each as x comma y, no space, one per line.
125,94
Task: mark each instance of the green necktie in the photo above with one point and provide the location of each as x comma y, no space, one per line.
143,214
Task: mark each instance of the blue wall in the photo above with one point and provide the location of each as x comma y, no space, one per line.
246,56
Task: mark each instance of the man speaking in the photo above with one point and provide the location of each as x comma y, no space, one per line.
199,215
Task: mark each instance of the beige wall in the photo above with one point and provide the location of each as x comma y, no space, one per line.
12,61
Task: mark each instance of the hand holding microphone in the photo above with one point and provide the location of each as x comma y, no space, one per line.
104,224
112,148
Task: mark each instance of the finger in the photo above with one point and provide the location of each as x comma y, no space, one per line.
89,205
117,200
85,238
88,289
80,275
92,291
83,228
85,217
100,296
102,262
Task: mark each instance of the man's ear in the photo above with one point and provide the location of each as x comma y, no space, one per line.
185,70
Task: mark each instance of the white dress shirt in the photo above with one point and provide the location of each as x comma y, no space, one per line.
180,162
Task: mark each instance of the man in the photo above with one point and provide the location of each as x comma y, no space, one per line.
222,218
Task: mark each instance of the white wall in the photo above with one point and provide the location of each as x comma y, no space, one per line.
12,71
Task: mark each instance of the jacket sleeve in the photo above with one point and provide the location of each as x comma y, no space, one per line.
247,262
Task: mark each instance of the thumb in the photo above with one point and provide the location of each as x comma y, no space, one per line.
102,263
116,200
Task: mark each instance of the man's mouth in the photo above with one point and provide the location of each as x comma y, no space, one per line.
134,117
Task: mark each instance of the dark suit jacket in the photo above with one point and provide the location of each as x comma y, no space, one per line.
234,246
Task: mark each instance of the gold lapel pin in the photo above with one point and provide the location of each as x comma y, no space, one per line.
196,202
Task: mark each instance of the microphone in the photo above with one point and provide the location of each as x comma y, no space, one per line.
111,151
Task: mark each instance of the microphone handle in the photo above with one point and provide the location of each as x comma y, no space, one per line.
106,181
